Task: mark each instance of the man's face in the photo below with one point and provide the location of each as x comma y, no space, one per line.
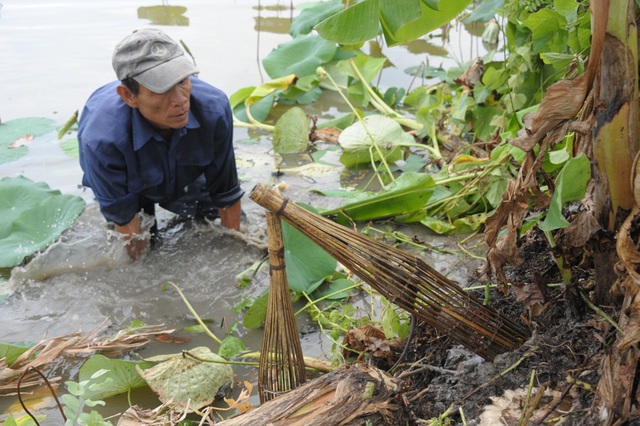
168,110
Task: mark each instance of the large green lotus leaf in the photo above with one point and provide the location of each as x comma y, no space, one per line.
429,20
121,376
359,141
13,130
355,24
312,14
407,194
32,216
307,264
190,382
300,56
401,20
291,134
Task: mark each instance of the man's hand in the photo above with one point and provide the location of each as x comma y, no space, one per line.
133,233
230,216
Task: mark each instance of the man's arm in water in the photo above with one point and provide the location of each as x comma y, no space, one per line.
133,236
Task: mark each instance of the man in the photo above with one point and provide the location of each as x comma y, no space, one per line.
159,136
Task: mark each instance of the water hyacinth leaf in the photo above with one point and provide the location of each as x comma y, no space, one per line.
291,134
121,376
190,380
33,216
312,14
407,194
15,130
571,185
359,141
300,56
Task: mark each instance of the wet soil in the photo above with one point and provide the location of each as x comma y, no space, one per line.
558,367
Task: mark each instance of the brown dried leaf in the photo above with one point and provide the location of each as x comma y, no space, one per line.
530,295
472,75
21,141
328,135
368,338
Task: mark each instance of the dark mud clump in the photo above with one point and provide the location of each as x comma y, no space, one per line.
551,378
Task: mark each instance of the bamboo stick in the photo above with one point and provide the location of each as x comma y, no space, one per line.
404,279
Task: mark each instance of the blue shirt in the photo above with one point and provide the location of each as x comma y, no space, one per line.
126,162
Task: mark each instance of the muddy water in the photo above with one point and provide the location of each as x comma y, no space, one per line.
54,54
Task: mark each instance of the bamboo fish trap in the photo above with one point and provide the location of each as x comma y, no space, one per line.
281,361
404,279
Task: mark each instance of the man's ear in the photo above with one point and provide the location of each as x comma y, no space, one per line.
127,96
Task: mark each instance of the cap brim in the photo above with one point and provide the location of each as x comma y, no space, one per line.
163,77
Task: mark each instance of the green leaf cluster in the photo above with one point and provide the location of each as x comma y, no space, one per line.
32,216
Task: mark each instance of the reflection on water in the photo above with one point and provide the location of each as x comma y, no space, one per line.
164,15
279,24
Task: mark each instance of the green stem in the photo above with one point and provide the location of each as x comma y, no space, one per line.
564,272
380,105
195,315
220,361
324,73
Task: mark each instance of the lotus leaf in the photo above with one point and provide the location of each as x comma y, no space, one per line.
13,130
292,132
307,264
312,14
300,56
189,380
32,216
359,141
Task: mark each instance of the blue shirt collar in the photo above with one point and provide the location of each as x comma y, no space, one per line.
143,132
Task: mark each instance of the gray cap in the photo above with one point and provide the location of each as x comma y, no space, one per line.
153,59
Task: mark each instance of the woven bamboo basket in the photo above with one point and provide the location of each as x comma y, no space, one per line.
403,279
281,361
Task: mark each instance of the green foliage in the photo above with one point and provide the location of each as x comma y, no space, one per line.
190,380
291,134
300,56
117,376
307,264
15,136
32,216
400,20
571,185
10,353
312,14
76,401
